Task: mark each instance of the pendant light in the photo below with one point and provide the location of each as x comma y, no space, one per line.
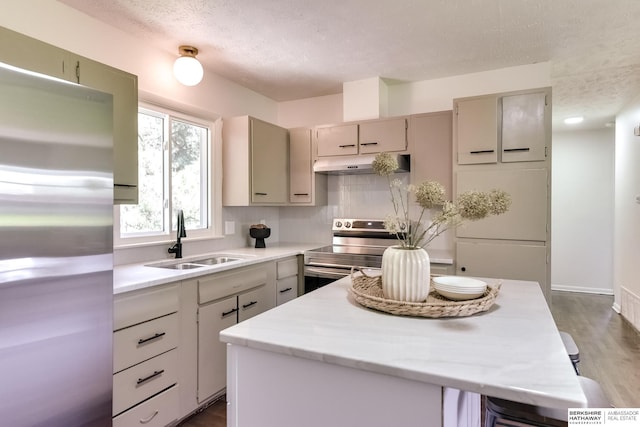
187,68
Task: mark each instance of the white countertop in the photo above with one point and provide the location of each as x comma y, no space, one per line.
132,277
513,351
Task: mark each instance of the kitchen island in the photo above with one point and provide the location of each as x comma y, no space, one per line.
322,359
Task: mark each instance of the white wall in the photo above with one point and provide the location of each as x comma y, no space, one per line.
310,111
627,214
582,211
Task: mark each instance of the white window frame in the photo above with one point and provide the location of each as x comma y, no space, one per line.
214,171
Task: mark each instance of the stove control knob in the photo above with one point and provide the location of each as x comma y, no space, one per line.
403,226
338,224
347,224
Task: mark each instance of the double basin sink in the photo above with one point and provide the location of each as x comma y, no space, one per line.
196,263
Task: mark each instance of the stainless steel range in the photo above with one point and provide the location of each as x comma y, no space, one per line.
356,242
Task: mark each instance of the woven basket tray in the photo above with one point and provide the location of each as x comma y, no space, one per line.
367,291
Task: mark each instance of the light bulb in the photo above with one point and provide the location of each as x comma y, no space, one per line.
187,68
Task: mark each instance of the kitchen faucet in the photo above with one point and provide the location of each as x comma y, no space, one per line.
181,232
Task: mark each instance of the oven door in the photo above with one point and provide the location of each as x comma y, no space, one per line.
316,276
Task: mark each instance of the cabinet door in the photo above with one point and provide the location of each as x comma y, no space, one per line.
383,135
430,146
212,353
269,163
287,289
124,88
477,130
255,302
337,140
527,216
524,132
33,55
503,261
300,167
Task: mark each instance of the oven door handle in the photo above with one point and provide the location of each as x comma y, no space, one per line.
324,272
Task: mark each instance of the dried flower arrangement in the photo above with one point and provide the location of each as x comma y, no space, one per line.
430,195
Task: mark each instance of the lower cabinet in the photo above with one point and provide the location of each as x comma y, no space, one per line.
145,357
504,260
286,280
252,292
167,356
158,411
212,357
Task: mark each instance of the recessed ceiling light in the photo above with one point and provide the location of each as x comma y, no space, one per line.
573,120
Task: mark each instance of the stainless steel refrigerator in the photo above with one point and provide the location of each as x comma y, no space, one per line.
56,261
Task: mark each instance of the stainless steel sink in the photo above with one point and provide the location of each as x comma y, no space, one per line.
196,263
180,266
215,260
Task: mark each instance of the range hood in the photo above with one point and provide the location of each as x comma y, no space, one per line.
355,164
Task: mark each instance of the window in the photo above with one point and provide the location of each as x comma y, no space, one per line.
174,153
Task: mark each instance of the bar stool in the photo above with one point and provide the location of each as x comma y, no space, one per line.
572,349
505,413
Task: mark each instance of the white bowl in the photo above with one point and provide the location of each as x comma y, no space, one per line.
459,288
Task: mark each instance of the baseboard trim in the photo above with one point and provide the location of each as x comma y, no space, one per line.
582,289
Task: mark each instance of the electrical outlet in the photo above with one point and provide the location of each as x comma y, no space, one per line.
229,227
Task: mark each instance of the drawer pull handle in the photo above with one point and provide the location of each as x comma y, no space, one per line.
481,151
150,377
149,418
346,145
517,149
249,304
260,194
226,313
300,194
285,290
369,143
155,337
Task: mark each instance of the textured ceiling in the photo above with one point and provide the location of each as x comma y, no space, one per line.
292,49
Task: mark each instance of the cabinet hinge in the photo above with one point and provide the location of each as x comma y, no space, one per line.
78,72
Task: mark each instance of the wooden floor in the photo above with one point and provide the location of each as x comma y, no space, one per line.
609,351
609,345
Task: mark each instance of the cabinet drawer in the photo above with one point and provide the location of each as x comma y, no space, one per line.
287,289
137,307
156,412
141,342
286,268
255,302
221,285
139,382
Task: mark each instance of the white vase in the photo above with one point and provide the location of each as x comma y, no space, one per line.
405,274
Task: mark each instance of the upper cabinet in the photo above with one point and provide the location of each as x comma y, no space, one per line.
124,88
300,167
305,187
524,127
33,55
476,125
255,159
338,140
506,128
430,147
368,137
383,135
